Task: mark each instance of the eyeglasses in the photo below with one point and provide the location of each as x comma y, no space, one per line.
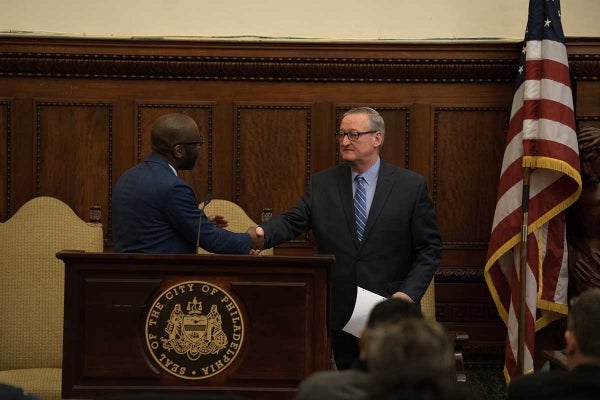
198,144
353,136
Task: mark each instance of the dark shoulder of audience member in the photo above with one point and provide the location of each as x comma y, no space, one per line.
8,392
413,360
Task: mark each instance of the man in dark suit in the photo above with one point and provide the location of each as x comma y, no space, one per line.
582,381
155,211
397,250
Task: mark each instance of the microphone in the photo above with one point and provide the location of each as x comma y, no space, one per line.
207,200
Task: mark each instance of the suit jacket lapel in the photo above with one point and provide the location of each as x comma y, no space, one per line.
385,183
344,182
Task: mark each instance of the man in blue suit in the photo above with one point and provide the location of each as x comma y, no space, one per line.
155,211
397,250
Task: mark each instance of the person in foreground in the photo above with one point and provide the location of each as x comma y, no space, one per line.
582,381
385,238
414,360
155,211
351,384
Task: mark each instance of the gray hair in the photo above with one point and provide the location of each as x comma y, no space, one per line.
414,347
375,119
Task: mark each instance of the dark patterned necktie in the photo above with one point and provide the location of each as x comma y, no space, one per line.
360,206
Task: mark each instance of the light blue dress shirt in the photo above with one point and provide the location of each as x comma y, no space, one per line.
370,176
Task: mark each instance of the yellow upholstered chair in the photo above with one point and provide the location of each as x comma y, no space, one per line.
32,290
238,220
428,302
460,339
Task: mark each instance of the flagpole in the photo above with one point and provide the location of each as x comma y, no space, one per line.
523,273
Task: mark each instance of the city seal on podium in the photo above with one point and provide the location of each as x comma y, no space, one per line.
194,330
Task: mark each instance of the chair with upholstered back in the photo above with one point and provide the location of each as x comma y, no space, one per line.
428,302
459,339
238,220
32,291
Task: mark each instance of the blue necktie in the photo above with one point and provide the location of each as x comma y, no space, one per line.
360,206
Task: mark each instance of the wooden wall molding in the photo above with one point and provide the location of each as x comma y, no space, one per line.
584,67
463,275
94,66
458,312
394,67
587,120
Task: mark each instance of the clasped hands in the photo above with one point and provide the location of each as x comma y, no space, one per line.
257,234
257,239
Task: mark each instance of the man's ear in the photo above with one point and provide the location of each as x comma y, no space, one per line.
378,139
177,151
571,342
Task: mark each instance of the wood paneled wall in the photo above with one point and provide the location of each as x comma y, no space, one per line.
76,113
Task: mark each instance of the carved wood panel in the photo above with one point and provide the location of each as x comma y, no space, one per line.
587,100
262,178
468,150
73,154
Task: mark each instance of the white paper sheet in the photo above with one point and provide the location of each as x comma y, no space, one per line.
365,301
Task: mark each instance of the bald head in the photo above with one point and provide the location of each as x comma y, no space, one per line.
171,129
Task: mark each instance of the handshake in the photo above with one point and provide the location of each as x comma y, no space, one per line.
257,239
257,234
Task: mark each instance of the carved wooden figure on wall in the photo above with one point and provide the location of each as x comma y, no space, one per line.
583,218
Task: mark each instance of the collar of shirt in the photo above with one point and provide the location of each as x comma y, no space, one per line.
370,175
174,170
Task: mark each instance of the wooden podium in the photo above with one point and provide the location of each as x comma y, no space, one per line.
253,326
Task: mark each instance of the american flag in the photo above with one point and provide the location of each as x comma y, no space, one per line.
541,137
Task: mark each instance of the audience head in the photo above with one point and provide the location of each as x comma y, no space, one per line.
412,359
177,138
386,312
392,310
583,329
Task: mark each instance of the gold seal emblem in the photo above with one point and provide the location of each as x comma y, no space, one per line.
194,330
